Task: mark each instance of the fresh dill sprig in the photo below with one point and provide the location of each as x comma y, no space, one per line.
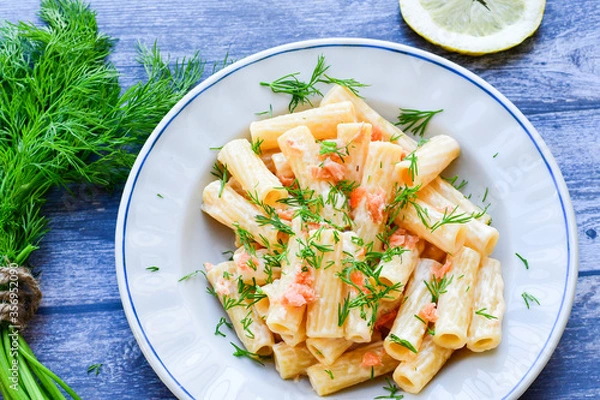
302,92
483,313
523,259
256,146
374,289
429,330
222,322
351,84
403,343
271,217
329,147
413,168
94,368
344,310
221,173
438,286
393,391
528,297
190,275
246,323
152,268
395,137
239,352
64,120
451,217
268,112
415,120
453,182
245,238
485,194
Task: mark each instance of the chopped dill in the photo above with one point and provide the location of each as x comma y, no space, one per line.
393,391
453,181
528,297
301,92
239,352
438,286
415,120
222,322
95,368
221,173
523,259
403,343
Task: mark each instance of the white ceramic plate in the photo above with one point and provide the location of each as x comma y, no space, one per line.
174,322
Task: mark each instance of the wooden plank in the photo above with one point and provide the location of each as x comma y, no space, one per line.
68,343
572,372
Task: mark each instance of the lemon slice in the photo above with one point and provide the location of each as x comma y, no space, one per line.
474,26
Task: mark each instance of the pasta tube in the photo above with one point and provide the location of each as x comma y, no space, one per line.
400,267
247,323
375,191
425,163
354,140
455,304
449,237
479,235
405,337
485,330
325,350
231,209
250,172
413,375
353,367
283,171
456,197
322,314
292,361
321,121
382,128
357,327
290,294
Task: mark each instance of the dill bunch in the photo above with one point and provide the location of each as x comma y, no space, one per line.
64,119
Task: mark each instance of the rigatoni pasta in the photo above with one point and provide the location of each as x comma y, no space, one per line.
485,329
354,257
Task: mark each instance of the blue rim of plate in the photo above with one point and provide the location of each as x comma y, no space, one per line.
567,210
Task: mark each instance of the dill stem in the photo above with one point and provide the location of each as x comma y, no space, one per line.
28,381
53,391
7,392
28,354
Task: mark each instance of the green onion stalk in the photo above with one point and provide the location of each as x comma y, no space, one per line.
64,120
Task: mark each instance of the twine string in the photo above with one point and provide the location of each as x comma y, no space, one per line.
20,295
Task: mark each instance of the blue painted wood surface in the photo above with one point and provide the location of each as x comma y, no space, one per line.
554,78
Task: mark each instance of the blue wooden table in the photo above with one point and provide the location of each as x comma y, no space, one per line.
554,78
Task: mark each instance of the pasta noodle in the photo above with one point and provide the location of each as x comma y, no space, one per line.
485,330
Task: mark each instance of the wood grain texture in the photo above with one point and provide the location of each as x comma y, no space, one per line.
553,77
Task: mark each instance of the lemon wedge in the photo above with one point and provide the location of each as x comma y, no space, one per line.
474,27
